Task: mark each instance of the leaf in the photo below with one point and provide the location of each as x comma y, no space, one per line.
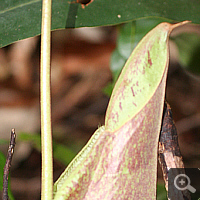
129,36
3,141
161,192
2,164
20,19
33,138
189,49
125,45
139,78
60,152
120,160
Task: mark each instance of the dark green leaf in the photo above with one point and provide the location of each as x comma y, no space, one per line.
20,19
189,50
60,152
33,138
161,192
2,141
2,163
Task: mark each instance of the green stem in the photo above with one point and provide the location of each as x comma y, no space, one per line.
46,135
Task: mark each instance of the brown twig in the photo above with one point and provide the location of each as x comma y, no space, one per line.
8,164
169,152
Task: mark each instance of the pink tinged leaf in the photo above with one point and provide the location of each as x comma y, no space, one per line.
120,163
149,59
146,67
120,160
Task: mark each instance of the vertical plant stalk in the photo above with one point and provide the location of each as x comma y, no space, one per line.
46,134
8,164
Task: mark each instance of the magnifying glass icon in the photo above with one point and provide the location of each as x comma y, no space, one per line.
182,182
